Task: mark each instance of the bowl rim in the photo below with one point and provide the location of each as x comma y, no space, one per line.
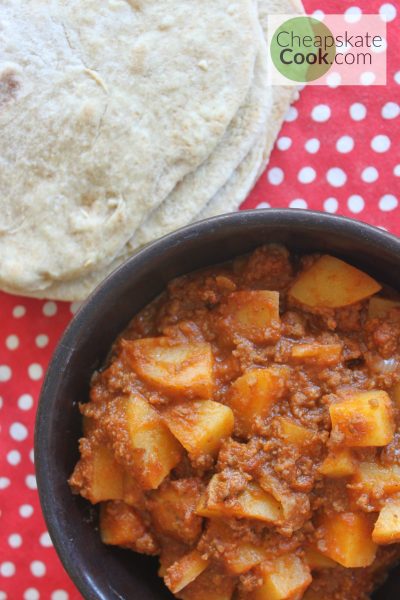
109,287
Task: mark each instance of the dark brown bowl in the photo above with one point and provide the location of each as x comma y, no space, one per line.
110,574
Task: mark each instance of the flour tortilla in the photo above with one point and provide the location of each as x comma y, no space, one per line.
104,108
195,190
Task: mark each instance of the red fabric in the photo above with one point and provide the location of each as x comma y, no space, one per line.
29,567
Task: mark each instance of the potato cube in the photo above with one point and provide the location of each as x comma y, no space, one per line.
184,571
317,561
387,527
377,480
323,355
252,503
238,556
121,525
179,370
253,315
253,394
286,578
363,419
200,426
172,508
332,283
97,476
292,433
347,538
338,463
156,449
379,307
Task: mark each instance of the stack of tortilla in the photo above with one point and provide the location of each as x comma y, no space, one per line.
121,121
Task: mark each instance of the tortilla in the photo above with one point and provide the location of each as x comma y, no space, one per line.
104,108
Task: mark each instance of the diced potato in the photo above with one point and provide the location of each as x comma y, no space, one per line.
347,538
318,354
252,503
121,525
332,283
317,561
212,584
339,463
238,556
379,307
293,433
377,480
387,527
157,451
184,571
253,394
179,370
97,476
172,509
252,314
286,578
200,426
364,419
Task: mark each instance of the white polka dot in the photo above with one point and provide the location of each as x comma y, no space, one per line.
291,114
25,402
59,595
32,455
49,309
284,143
358,111
275,176
1,402
331,205
45,540
5,373
333,80
387,12
35,371
12,342
18,432
369,174
26,510
31,594
306,175
356,203
14,457
321,113
298,203
318,14
41,340
367,78
75,307
336,177
30,481
388,202
7,569
397,77
14,540
352,14
4,483
262,205
38,568
19,311
3,595
382,47
396,171
380,143
345,144
391,110
312,145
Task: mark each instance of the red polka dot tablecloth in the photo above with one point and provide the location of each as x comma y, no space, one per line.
338,151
